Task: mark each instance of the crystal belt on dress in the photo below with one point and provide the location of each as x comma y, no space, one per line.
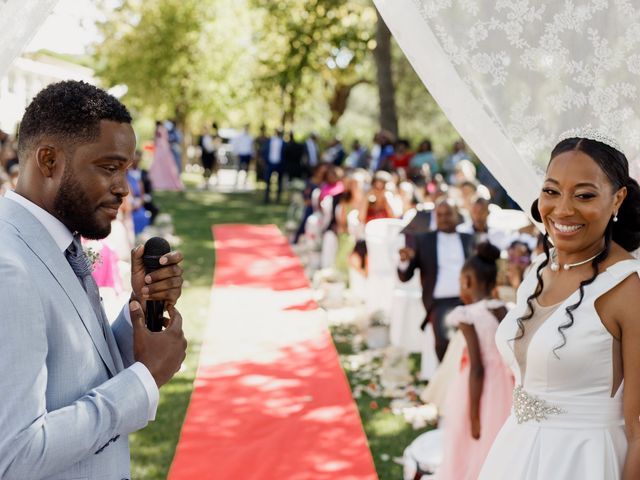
547,410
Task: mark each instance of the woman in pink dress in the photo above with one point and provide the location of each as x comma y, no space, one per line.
163,173
479,397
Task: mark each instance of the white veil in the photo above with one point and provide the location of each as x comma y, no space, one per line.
19,21
513,75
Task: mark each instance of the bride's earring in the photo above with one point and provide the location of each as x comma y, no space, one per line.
615,217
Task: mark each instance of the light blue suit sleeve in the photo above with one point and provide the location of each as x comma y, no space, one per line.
36,442
123,331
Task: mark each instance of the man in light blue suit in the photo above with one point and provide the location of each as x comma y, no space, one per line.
72,386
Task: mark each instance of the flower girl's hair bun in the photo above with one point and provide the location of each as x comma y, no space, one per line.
487,252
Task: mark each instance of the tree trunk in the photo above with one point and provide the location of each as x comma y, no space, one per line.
293,105
386,88
340,98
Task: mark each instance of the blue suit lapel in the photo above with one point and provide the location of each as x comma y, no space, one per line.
38,240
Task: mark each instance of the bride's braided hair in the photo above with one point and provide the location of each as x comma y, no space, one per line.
625,232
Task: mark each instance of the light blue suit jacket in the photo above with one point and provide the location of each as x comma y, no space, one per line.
67,403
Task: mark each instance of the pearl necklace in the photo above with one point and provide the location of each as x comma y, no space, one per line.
555,266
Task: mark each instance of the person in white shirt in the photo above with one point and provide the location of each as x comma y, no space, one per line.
73,385
439,255
242,146
275,150
478,226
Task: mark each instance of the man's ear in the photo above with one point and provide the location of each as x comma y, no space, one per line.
48,159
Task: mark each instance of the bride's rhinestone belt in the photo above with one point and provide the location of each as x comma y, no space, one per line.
529,407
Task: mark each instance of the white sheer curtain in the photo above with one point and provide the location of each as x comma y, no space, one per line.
19,21
513,75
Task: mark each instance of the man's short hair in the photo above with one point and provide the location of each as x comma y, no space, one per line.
71,110
450,202
483,202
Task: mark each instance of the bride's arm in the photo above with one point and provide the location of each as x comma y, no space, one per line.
629,323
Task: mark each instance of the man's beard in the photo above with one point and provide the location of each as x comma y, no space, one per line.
73,208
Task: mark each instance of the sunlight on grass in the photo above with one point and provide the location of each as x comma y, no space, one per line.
384,425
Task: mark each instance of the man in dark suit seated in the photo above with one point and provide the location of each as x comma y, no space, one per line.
439,255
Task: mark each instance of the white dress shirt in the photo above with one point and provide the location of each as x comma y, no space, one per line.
312,152
275,150
495,237
243,144
63,238
450,261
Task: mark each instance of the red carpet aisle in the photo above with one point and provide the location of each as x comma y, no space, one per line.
270,400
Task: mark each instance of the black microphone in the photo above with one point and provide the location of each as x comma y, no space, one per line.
154,248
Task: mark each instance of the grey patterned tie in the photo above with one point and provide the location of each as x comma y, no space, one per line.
82,267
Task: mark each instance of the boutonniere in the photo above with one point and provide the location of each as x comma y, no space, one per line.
92,252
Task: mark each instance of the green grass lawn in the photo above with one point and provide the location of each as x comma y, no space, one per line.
388,434
194,212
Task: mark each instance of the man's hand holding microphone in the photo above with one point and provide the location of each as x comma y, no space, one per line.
156,278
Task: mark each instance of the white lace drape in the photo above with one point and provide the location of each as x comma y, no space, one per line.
19,21
513,75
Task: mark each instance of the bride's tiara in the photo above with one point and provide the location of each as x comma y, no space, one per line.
591,134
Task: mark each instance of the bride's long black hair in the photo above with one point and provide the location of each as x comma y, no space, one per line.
625,232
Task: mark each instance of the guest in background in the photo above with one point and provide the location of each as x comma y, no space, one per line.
175,141
382,148
136,200
293,156
359,156
207,145
519,259
312,184
477,224
163,173
458,154
334,154
348,202
332,183
401,156
142,176
274,161
242,146
440,256
374,203
262,141
311,156
424,156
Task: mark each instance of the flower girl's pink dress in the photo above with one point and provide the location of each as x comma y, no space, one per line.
463,455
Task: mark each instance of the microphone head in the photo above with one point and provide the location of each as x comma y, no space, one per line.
154,248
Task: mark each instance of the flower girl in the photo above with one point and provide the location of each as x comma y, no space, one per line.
479,397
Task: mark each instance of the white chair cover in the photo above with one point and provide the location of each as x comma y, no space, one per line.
383,243
329,249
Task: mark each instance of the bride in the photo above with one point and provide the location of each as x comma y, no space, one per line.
575,330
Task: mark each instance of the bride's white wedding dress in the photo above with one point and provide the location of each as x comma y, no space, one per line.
567,421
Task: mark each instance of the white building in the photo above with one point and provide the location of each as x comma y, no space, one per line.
28,75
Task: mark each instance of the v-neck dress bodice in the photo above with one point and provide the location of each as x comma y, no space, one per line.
565,423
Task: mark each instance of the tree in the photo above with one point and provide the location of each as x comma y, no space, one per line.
302,42
386,88
175,57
